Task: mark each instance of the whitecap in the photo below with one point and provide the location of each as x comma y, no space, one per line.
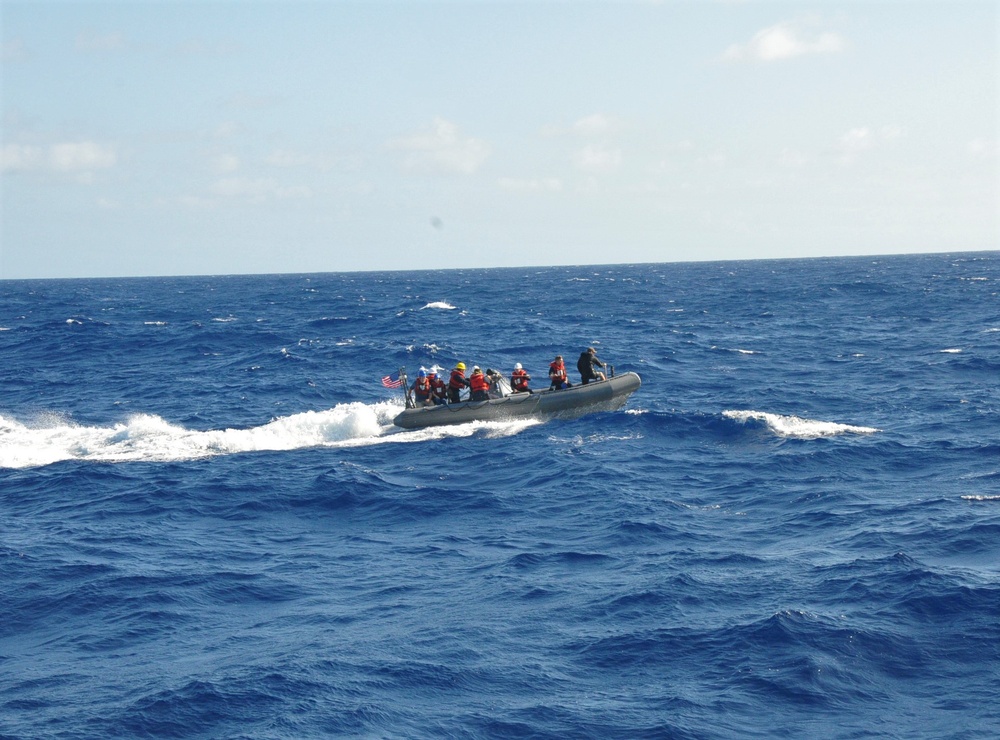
154,323
980,497
439,304
796,427
950,351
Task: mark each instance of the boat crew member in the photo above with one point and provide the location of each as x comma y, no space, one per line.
439,391
456,383
586,364
557,374
519,379
422,389
495,381
479,386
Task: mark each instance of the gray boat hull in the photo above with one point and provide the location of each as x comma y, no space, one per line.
606,395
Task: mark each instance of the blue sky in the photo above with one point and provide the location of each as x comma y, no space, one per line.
172,138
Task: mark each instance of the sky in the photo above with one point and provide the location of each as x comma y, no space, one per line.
199,138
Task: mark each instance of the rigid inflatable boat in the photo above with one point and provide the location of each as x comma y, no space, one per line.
598,395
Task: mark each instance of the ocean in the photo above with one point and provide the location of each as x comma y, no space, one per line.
210,528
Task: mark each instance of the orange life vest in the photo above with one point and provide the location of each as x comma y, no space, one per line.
478,382
457,379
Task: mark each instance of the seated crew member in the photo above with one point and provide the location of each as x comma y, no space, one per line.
519,379
479,386
495,381
588,360
557,374
422,389
439,391
456,383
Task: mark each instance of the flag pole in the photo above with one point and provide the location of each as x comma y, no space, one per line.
408,401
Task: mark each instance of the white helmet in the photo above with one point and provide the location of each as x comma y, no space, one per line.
517,365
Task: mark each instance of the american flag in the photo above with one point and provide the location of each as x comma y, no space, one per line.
392,381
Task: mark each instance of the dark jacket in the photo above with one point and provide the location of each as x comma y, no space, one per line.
586,365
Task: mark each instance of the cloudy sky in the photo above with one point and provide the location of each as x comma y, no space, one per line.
171,138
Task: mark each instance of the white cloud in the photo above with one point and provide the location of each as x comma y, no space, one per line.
256,189
597,159
442,150
537,185
251,101
286,158
596,124
783,41
225,130
863,139
20,158
82,156
792,159
856,140
13,51
225,163
715,159
66,157
983,148
93,43
890,133
199,48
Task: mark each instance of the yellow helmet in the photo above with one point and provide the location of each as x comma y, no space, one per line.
460,366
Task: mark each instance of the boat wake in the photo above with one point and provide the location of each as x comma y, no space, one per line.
150,438
796,427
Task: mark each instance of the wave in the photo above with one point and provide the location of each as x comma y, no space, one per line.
796,427
439,304
150,438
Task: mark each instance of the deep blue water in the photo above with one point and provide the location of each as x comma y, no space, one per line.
210,528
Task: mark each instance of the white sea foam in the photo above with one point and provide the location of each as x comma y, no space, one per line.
150,438
439,304
950,351
796,427
980,497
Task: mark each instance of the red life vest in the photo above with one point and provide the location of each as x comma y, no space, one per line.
457,379
519,380
478,382
438,387
557,371
423,388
